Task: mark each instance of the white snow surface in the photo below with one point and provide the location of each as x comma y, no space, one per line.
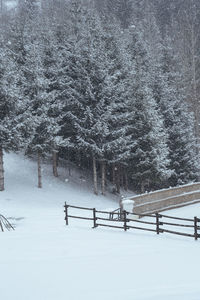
43,259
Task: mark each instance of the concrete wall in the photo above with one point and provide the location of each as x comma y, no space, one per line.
166,199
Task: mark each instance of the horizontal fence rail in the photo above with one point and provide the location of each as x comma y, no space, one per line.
119,219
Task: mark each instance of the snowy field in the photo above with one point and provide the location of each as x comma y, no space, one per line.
45,260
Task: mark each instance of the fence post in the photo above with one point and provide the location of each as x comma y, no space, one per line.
157,223
66,213
125,220
94,218
195,228
120,214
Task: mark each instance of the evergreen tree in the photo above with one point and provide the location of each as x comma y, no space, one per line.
149,153
10,137
114,89
179,122
121,9
167,85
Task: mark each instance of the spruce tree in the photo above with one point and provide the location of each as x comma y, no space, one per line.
10,137
179,121
117,142
149,153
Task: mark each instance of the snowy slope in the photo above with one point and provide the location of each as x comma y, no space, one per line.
45,260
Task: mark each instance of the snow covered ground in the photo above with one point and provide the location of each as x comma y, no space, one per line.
45,260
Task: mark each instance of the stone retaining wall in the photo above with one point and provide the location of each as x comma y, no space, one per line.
166,199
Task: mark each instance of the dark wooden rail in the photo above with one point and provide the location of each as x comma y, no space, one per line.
127,220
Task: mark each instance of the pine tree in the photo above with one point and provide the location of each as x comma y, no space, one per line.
51,69
71,76
149,153
10,137
117,142
92,127
179,122
121,9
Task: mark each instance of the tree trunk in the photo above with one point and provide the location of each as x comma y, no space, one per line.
39,171
125,181
1,170
95,176
113,174
118,179
142,187
122,176
55,163
103,177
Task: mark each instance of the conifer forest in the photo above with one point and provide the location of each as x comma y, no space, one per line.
110,85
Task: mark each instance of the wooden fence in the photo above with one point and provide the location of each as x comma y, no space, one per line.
158,223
